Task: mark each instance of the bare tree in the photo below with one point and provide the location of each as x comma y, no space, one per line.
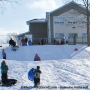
3,3
86,4
11,35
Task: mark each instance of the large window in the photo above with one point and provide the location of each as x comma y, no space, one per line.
71,35
59,35
84,20
84,35
59,20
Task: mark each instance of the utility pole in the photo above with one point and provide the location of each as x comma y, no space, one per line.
88,38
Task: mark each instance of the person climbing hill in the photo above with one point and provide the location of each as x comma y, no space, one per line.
3,54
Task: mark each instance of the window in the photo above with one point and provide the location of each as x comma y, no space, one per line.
84,34
59,21
56,22
70,35
59,35
72,20
84,20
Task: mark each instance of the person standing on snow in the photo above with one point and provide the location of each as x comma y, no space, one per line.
3,54
10,42
4,71
26,39
37,73
62,41
40,41
37,58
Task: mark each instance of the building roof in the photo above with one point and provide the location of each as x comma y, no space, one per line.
71,5
22,34
36,21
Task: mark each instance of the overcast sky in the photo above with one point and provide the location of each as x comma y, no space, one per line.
14,18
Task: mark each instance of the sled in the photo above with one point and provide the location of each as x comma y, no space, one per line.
14,48
31,75
8,82
75,49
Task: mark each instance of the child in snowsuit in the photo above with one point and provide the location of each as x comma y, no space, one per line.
3,54
37,73
37,58
29,42
4,70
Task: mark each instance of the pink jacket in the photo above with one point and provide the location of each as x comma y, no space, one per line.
57,42
63,39
37,58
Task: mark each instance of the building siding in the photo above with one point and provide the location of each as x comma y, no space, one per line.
38,30
63,10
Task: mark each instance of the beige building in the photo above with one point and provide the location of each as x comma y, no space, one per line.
65,21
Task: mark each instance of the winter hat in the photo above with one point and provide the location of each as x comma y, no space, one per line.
4,62
38,67
36,54
3,49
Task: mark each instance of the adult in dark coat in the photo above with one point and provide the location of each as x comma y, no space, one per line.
4,70
10,42
26,39
74,38
42,41
13,43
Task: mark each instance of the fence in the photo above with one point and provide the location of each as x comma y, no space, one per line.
79,40
70,40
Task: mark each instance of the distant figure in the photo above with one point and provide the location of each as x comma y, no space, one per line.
57,43
62,41
40,41
54,41
4,71
10,42
74,38
75,49
19,41
3,54
37,73
37,58
13,43
22,41
29,42
26,39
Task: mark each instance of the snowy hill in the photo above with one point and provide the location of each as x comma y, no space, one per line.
60,65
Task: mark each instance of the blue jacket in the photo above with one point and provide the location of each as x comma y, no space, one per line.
3,54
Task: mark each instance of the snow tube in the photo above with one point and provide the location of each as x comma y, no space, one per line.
31,75
8,82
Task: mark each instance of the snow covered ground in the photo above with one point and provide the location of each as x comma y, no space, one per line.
61,66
